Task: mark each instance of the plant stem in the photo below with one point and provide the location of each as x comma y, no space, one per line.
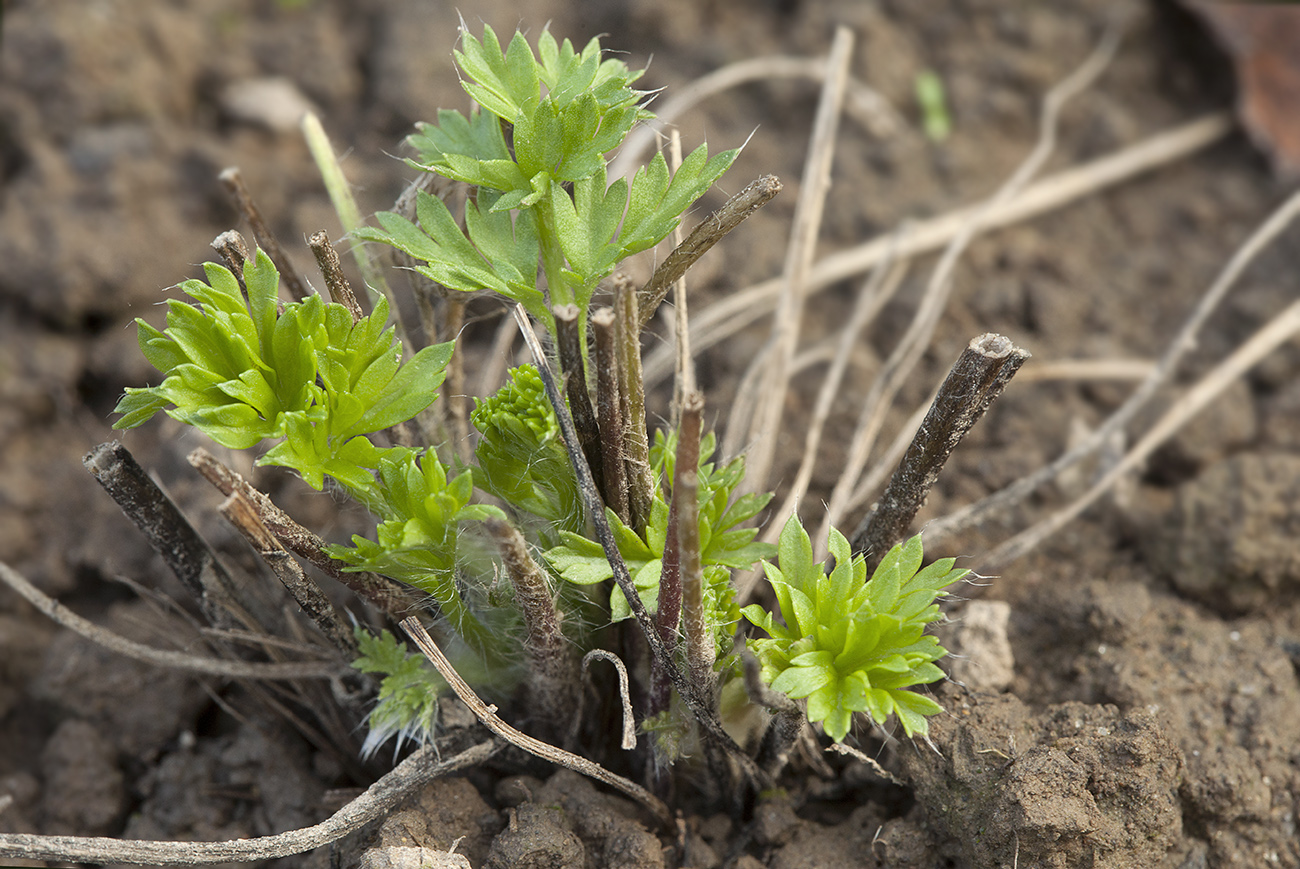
330,267
170,534
573,364
554,685
700,707
234,184
609,413
241,512
700,653
454,391
981,372
234,251
636,444
388,595
733,212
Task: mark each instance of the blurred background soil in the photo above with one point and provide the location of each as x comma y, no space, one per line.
1150,715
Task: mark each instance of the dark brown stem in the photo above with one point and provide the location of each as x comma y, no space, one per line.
700,653
170,534
568,344
241,513
234,184
328,260
388,595
703,237
976,379
234,250
787,718
701,707
553,687
609,413
636,444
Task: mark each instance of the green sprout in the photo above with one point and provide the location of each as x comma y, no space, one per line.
849,645
933,101
542,226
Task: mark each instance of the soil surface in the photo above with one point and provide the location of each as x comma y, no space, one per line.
1129,694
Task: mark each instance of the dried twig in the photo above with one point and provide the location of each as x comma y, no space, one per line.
636,443
389,595
738,310
765,428
1275,333
487,714
609,414
233,181
170,534
243,514
919,332
378,799
700,707
981,372
229,669
1276,223
628,741
234,251
732,213
332,270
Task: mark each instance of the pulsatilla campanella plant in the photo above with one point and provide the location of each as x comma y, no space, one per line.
542,226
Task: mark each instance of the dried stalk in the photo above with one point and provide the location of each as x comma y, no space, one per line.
170,534
700,707
738,310
332,270
920,331
765,428
977,378
568,345
1276,223
388,595
378,799
628,741
732,213
700,653
1276,332
636,443
242,513
225,668
609,413
553,685
487,714
233,181
234,251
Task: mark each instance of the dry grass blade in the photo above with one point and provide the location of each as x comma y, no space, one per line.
738,310
60,614
381,796
1277,222
914,342
628,742
1275,333
765,427
487,714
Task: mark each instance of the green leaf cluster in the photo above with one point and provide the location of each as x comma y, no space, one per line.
245,370
546,192
848,645
417,540
723,545
407,706
521,458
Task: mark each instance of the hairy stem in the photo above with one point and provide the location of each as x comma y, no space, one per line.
700,653
978,377
554,684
